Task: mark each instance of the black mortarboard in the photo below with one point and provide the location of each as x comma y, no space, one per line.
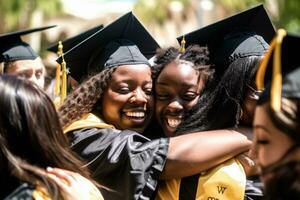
12,48
73,41
282,62
242,35
125,41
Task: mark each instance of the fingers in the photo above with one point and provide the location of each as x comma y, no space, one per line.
60,182
63,174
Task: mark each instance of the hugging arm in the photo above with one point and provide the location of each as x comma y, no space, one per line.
196,152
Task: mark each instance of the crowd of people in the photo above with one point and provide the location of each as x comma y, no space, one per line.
215,118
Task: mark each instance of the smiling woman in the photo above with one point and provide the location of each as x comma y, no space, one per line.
127,102
120,93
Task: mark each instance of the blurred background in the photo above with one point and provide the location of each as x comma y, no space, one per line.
164,19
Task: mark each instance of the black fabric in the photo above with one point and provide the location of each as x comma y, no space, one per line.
23,192
245,34
188,187
254,188
117,52
127,163
12,48
93,52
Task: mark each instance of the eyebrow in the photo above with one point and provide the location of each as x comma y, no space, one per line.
182,84
261,127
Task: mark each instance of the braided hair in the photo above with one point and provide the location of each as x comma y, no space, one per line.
222,95
194,53
85,98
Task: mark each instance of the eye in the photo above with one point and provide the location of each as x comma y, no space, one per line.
262,142
162,96
148,91
38,74
189,96
123,90
24,75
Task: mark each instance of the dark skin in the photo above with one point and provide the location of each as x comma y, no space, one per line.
129,94
128,101
178,89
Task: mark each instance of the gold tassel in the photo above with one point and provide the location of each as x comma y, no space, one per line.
58,70
276,75
63,94
182,45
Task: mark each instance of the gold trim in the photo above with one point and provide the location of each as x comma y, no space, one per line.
88,121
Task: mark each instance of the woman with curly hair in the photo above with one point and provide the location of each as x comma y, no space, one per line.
32,141
277,120
120,94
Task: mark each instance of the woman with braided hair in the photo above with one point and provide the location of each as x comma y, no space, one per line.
236,48
120,96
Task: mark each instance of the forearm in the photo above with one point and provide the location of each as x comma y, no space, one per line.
197,152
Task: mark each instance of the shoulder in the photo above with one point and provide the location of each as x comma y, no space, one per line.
28,192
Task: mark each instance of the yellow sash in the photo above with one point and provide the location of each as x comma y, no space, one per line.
227,181
40,193
88,121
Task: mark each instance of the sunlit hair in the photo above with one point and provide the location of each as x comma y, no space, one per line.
223,95
85,98
31,137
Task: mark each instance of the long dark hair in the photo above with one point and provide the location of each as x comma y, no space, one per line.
223,96
85,98
31,137
285,182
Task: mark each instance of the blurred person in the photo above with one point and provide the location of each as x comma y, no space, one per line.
277,119
18,58
33,148
105,114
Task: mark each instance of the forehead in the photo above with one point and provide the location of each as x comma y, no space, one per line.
134,72
177,72
21,65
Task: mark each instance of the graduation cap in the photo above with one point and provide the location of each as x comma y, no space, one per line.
73,41
12,48
282,62
124,41
245,34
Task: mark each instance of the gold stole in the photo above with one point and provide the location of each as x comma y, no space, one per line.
227,181
87,121
40,193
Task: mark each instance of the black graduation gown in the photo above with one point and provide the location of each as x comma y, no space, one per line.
24,192
126,162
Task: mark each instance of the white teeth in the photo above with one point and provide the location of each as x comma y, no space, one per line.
135,114
173,122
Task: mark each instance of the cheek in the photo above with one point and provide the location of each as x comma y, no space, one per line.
158,109
188,106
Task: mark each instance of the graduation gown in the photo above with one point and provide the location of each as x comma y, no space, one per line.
125,162
28,192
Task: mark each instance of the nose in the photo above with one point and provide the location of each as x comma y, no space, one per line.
175,106
34,79
138,97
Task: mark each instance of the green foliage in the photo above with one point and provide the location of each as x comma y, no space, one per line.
156,11
15,12
287,16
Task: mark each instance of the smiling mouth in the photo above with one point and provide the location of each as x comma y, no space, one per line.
138,114
173,123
